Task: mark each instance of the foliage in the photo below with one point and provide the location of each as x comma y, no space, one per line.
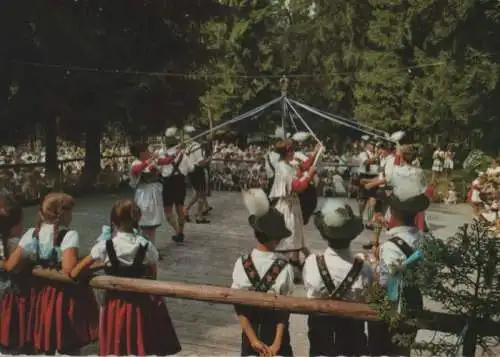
460,273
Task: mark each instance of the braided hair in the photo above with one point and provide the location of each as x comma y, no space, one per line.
52,210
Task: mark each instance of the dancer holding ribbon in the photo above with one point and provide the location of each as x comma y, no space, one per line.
285,191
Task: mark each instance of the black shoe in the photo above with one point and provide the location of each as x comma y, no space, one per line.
202,221
186,218
178,238
368,246
160,256
208,210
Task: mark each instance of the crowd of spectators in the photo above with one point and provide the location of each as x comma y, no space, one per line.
22,167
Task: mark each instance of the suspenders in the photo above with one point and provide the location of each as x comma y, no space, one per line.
137,269
175,167
345,285
52,261
402,245
262,284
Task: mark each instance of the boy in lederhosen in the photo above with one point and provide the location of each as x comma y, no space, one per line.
265,332
337,274
174,183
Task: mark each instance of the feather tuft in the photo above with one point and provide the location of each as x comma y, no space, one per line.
301,136
256,202
279,132
408,189
331,212
172,131
397,136
189,129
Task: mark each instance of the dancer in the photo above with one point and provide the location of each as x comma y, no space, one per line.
131,323
308,197
265,332
196,155
174,183
285,190
368,170
16,294
145,179
63,318
272,158
337,274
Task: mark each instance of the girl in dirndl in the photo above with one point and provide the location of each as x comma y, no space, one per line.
286,187
130,323
145,179
63,318
16,294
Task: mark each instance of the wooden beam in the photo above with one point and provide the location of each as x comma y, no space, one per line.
430,320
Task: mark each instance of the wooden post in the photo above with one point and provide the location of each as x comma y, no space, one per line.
284,91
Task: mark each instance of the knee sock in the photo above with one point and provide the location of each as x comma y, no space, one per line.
171,219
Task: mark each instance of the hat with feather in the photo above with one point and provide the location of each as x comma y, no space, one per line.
279,133
263,218
301,136
337,221
171,135
188,131
408,197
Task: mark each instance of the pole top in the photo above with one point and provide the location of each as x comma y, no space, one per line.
284,84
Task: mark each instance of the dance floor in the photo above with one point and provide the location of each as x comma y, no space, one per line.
207,257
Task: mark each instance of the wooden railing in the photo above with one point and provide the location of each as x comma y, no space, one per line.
429,320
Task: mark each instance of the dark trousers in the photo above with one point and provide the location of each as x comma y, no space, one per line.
308,202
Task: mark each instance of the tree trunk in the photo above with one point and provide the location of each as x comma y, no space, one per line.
92,165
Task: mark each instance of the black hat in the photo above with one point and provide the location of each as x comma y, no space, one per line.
337,221
264,218
408,197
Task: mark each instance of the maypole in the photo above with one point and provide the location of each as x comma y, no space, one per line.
284,107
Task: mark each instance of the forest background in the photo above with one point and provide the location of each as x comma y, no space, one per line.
75,68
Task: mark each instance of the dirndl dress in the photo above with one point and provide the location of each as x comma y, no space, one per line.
288,204
149,198
63,317
16,303
133,323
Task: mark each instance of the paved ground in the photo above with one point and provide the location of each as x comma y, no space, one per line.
208,256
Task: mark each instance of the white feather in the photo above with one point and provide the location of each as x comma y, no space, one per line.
301,136
365,137
279,132
189,129
408,188
331,217
397,136
171,131
256,202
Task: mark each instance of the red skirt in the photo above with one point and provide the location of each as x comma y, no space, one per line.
15,311
65,318
136,324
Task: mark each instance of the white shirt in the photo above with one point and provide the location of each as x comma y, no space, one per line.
339,263
391,255
388,164
272,159
46,242
363,157
126,247
194,152
185,165
262,262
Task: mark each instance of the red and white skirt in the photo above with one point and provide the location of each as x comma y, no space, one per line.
65,317
15,312
136,324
